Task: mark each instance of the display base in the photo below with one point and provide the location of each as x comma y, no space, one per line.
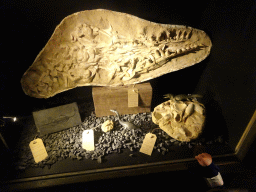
106,98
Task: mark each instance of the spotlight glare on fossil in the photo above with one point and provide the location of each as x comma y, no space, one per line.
107,48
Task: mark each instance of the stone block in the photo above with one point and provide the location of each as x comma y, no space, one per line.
106,98
57,118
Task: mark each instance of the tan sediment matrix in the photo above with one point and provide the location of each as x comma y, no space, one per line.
107,48
182,120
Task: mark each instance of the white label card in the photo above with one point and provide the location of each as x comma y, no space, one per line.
133,97
148,144
88,140
38,150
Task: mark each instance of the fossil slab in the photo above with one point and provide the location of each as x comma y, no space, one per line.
182,120
107,48
57,118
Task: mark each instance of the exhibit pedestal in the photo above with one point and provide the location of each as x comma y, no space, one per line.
120,98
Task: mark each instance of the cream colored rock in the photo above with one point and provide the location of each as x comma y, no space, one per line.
182,120
107,126
107,48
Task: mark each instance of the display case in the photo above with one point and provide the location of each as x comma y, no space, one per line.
225,79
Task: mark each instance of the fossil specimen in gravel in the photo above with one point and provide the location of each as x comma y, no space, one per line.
183,119
107,126
107,48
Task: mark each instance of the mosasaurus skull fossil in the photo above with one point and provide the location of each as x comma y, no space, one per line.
108,48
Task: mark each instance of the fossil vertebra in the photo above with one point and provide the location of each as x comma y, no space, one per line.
106,48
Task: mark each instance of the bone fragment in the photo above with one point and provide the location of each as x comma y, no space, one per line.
182,120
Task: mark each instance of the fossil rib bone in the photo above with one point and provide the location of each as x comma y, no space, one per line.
106,48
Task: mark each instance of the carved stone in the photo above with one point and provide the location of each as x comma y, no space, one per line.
182,120
106,48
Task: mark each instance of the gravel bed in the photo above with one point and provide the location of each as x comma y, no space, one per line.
68,143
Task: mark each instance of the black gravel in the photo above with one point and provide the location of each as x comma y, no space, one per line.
68,143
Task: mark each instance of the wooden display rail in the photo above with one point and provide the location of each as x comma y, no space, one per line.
106,98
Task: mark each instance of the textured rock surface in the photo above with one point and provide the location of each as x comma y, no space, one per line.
107,48
182,120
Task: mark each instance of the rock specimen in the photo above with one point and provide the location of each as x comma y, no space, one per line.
182,120
107,126
106,48
57,118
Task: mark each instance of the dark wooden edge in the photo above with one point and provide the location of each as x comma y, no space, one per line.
227,163
247,138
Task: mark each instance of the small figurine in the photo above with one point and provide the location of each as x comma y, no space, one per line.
127,125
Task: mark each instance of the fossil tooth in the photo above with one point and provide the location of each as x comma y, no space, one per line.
167,53
179,51
92,47
162,52
157,53
189,34
182,35
152,58
178,34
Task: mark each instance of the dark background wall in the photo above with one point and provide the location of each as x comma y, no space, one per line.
226,78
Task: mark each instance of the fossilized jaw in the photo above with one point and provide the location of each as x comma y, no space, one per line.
107,48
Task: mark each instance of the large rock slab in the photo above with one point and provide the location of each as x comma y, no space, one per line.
182,120
107,48
57,118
